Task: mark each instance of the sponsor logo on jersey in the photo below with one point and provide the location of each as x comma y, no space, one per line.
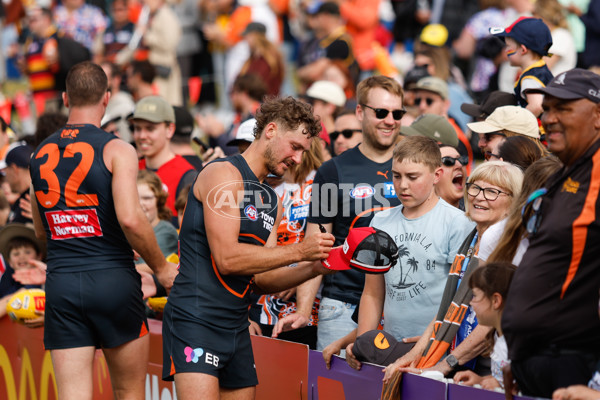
69,133
299,212
362,192
251,212
388,190
570,186
72,224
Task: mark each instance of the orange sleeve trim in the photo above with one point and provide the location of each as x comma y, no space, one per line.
253,236
581,223
225,285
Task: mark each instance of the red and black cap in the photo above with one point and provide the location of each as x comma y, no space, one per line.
367,249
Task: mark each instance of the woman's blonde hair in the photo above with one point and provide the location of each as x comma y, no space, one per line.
552,12
506,176
155,184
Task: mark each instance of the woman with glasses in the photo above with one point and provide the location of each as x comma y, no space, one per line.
451,186
491,190
508,239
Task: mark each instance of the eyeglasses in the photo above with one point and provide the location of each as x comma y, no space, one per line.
490,135
489,194
381,113
347,133
450,161
428,100
533,203
488,154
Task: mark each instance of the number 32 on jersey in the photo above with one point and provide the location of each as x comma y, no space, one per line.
72,198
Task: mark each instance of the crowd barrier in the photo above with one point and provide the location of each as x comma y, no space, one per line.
286,371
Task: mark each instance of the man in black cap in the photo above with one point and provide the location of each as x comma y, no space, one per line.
334,44
16,174
180,142
550,320
496,99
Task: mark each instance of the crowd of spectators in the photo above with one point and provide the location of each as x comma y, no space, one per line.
460,128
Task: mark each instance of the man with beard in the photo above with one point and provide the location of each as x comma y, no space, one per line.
347,192
227,244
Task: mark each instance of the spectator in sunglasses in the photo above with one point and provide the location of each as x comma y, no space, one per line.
505,122
451,185
347,133
432,97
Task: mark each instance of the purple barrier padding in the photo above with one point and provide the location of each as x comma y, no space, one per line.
415,387
342,382
461,392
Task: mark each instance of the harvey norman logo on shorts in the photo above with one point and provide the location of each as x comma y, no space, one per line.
71,224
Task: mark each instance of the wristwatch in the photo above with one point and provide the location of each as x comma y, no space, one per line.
452,361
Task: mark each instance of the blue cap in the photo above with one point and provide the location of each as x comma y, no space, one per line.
530,32
19,153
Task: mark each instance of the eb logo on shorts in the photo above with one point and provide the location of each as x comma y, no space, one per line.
193,355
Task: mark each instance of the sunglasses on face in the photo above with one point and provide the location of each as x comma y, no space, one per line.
381,113
428,100
490,135
451,161
488,155
347,133
489,194
533,204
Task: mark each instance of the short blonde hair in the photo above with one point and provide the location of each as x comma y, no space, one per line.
506,176
420,150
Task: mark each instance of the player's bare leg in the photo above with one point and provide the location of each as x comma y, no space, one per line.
127,365
247,393
189,384
73,372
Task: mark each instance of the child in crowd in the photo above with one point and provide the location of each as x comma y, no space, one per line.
527,41
21,249
490,284
428,232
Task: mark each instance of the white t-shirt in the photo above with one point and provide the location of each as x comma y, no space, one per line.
427,246
563,45
499,358
490,239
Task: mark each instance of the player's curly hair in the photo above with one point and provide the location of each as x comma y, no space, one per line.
289,113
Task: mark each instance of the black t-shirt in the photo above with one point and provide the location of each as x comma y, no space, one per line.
347,191
16,212
553,298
